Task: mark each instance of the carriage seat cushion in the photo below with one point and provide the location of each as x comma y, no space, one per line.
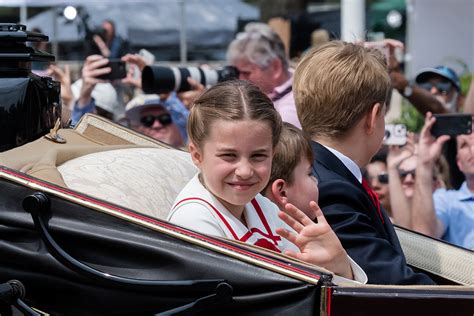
146,180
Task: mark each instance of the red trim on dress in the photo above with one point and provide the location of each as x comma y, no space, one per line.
251,231
216,211
260,214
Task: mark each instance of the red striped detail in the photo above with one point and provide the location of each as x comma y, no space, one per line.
226,223
257,207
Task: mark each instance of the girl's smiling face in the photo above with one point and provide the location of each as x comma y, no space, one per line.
235,161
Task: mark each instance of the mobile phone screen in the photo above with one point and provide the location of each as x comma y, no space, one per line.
452,124
118,70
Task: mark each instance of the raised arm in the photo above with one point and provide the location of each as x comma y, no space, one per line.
92,69
398,201
423,212
421,99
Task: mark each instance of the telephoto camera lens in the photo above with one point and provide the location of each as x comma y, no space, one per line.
161,79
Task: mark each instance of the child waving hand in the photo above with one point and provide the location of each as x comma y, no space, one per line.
233,129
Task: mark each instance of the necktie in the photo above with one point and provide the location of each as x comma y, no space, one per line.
373,196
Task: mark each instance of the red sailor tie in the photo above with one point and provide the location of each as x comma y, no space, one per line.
373,196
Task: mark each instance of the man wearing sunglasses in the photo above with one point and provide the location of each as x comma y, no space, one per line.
443,83
156,117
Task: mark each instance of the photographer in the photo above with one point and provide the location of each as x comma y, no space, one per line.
110,45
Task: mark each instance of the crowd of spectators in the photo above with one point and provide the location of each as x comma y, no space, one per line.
426,185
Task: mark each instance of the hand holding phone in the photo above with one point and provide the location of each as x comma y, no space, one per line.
118,70
452,124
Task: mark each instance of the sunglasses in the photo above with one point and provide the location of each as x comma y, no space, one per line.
149,120
442,87
404,173
382,178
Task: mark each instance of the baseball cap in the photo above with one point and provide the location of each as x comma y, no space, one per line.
442,71
104,95
179,113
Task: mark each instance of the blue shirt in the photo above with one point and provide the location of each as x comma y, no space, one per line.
77,112
179,113
455,209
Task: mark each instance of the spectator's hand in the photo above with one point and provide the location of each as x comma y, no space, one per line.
135,59
396,154
392,46
64,77
429,147
92,68
134,77
317,242
136,63
104,50
188,97
388,43
389,47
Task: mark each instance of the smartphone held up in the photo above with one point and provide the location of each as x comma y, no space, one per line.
452,124
395,134
118,70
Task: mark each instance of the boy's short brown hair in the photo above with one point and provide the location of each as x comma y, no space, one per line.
336,84
294,146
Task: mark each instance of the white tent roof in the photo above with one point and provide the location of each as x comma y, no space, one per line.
208,22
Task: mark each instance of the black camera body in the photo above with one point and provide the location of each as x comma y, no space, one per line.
30,105
100,31
161,79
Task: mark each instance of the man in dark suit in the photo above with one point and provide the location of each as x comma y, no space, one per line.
341,91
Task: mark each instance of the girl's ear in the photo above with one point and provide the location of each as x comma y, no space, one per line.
371,118
196,154
279,191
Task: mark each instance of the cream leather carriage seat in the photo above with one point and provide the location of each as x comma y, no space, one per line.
146,180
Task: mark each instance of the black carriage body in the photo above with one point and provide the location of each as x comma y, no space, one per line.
133,264
118,246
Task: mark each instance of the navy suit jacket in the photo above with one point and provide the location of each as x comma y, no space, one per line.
353,216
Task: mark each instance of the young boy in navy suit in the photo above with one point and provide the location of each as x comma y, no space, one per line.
341,90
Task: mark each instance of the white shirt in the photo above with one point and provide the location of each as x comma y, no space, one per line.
286,104
348,162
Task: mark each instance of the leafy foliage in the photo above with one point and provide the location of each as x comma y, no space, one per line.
410,117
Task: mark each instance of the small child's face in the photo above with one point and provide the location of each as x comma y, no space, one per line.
235,161
304,188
